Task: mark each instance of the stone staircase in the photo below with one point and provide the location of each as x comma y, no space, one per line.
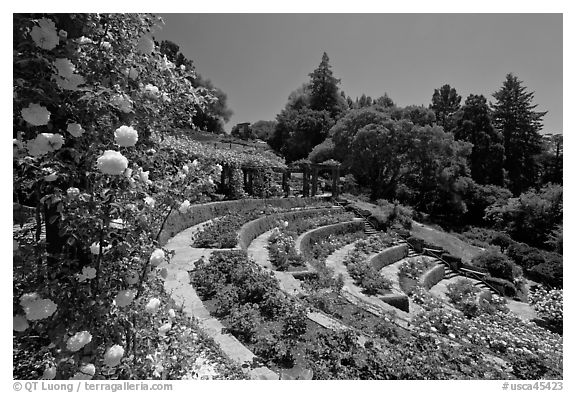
369,228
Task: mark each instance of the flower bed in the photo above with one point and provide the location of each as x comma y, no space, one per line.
312,237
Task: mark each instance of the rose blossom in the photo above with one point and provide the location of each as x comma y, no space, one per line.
153,306
45,35
183,209
78,341
49,373
112,163
20,323
36,114
124,298
40,309
113,355
125,136
75,130
65,67
164,328
145,45
157,257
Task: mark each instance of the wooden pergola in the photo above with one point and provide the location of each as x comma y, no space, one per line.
310,172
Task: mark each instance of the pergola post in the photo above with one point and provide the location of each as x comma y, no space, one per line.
335,182
251,181
306,181
245,179
314,180
286,183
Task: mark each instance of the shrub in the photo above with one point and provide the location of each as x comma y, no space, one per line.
549,306
497,264
414,267
244,321
294,322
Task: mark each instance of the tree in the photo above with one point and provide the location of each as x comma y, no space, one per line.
550,160
418,115
384,101
298,131
474,125
324,89
264,129
445,102
515,116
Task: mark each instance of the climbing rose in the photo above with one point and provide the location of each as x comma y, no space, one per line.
124,298
113,355
88,273
117,223
72,192
157,257
164,329
28,298
86,372
150,201
36,114
153,305
44,143
95,248
112,163
75,130
151,90
49,373
125,136
70,83
51,177
145,45
65,67
40,309
183,209
144,176
20,323
122,102
78,341
45,35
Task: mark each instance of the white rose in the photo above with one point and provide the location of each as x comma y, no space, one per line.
182,67
151,90
150,201
117,223
20,323
124,298
112,163
85,40
44,143
40,309
64,67
153,305
195,163
171,313
144,176
186,169
106,45
36,114
49,373
78,341
145,45
157,257
75,130
183,209
164,328
28,298
122,102
51,177
133,73
70,83
86,372
45,35
88,273
95,248
125,136
113,355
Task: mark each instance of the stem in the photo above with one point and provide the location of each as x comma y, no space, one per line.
164,223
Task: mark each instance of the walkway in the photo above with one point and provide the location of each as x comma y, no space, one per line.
177,284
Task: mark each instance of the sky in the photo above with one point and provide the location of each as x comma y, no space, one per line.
259,59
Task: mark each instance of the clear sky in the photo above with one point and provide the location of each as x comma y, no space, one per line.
258,59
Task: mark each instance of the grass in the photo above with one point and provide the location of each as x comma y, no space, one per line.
450,243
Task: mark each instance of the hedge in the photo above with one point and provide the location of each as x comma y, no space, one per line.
251,230
305,242
401,302
177,222
432,276
389,256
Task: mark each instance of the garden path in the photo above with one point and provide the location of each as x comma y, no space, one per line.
177,284
336,262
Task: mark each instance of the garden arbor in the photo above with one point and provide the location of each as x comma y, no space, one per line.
247,176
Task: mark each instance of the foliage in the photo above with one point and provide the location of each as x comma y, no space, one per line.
264,129
445,103
515,115
322,152
474,125
414,268
282,253
549,306
497,265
